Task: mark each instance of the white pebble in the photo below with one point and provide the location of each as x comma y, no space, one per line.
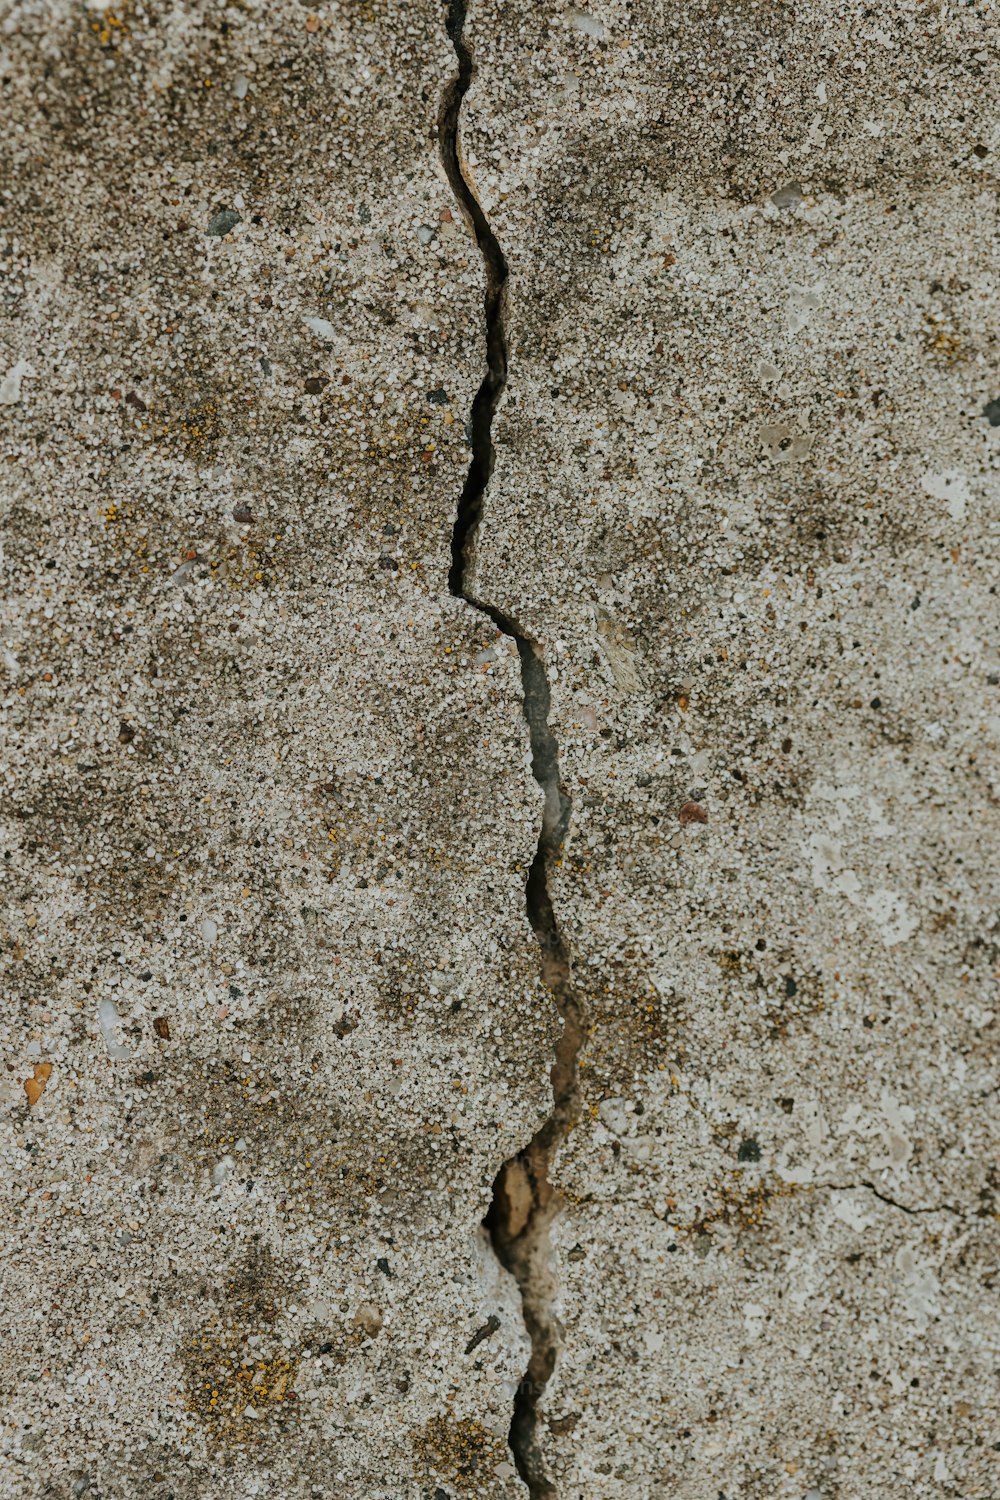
10,386
110,1022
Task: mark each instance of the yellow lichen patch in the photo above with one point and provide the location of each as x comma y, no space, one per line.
128,533
331,832
942,341
235,1391
197,429
255,563
739,1203
327,1185
239,1376
461,1450
111,29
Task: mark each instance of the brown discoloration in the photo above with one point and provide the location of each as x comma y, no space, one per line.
34,1087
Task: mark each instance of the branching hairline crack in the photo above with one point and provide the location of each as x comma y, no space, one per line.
524,1202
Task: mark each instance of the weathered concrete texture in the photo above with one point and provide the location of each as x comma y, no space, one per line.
267,800
753,326
274,1009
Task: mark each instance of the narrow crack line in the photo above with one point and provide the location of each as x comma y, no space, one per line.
906,1208
524,1201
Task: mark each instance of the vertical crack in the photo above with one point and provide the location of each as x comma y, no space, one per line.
524,1201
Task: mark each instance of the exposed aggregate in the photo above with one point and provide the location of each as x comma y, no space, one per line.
272,1010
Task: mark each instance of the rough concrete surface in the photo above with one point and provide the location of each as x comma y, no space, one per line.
499,782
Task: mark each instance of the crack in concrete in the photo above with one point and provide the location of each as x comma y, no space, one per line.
906,1208
524,1201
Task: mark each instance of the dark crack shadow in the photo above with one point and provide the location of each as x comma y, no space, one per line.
906,1208
524,1202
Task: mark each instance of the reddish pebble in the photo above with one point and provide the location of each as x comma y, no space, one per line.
692,812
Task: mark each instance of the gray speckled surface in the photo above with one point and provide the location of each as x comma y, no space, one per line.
753,328
273,1009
